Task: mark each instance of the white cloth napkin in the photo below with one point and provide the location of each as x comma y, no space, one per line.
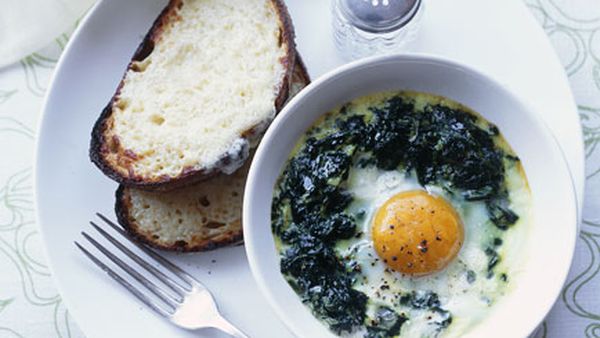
28,25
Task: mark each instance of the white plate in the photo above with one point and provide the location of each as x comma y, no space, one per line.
551,233
69,189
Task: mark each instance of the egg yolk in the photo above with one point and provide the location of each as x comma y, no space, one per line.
416,233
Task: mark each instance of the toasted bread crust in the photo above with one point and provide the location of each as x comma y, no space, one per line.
300,78
122,210
287,39
120,169
300,74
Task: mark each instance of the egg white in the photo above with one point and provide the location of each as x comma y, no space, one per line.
467,302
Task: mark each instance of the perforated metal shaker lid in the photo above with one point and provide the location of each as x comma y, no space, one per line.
379,16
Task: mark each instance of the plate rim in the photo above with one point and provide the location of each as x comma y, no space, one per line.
36,156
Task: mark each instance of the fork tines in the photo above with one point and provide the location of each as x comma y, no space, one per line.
170,299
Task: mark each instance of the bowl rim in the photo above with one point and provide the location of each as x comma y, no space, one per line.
252,252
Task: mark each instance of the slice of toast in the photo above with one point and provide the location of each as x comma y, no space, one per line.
203,85
195,218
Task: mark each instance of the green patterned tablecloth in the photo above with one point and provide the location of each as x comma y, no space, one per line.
31,307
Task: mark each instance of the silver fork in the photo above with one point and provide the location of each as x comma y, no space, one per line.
189,304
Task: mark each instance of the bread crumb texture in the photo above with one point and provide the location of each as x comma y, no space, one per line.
194,214
214,73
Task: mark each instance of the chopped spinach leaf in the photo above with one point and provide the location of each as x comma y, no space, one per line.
387,323
428,300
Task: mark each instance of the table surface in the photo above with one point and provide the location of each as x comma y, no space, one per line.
25,283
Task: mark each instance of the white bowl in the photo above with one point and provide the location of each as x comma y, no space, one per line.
551,241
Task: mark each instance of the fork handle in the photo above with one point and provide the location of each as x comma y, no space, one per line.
225,326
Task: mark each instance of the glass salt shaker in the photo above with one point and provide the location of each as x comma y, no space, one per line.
364,28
